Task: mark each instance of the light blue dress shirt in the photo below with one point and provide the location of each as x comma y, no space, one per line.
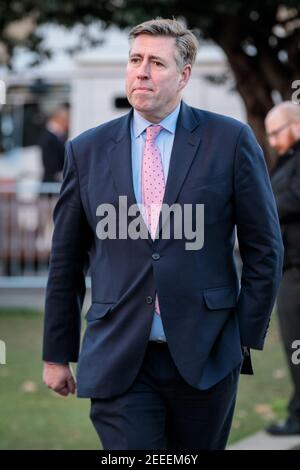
164,141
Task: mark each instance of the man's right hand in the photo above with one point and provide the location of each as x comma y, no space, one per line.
59,378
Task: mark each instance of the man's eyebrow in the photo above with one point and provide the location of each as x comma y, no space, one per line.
134,54
155,57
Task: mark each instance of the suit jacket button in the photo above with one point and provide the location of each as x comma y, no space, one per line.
149,299
155,256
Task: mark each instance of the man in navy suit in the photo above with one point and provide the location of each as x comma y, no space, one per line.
170,326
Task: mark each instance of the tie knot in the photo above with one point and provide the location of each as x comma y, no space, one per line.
152,132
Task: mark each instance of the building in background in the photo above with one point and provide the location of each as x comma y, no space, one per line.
92,83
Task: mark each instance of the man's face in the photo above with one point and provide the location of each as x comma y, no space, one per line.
279,132
62,118
153,80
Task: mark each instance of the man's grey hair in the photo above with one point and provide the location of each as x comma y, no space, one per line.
186,42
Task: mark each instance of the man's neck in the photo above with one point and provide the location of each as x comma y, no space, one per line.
155,119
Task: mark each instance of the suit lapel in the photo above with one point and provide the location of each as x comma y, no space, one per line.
186,142
183,152
119,155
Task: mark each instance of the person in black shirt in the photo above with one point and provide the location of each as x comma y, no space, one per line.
52,142
283,130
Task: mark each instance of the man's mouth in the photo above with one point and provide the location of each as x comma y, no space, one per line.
142,89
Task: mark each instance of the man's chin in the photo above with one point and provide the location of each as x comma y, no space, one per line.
141,106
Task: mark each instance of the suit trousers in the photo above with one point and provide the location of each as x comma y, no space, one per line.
161,411
288,307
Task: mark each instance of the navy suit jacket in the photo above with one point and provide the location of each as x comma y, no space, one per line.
206,313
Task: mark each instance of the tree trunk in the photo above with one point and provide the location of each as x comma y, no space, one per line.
256,95
255,77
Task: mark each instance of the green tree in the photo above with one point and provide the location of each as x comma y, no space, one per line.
261,39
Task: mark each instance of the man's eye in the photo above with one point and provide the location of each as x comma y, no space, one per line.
158,63
134,60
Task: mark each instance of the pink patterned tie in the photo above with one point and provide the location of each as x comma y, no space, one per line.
153,184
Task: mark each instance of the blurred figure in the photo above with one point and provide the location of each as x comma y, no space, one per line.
283,131
52,142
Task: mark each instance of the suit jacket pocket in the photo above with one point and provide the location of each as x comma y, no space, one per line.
98,310
218,298
198,181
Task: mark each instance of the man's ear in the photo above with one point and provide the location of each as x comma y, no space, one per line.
185,76
295,126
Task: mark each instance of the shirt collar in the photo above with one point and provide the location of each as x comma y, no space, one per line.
140,124
295,148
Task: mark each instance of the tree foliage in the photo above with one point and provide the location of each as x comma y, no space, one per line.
261,39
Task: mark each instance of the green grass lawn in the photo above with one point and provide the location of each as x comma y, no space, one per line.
33,417
262,397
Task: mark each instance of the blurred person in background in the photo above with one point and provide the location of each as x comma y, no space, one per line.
52,142
282,125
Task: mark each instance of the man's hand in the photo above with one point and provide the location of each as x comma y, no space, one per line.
60,378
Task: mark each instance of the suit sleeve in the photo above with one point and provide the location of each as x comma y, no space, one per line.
68,265
259,238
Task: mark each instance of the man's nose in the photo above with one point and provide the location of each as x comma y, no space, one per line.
272,141
143,70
